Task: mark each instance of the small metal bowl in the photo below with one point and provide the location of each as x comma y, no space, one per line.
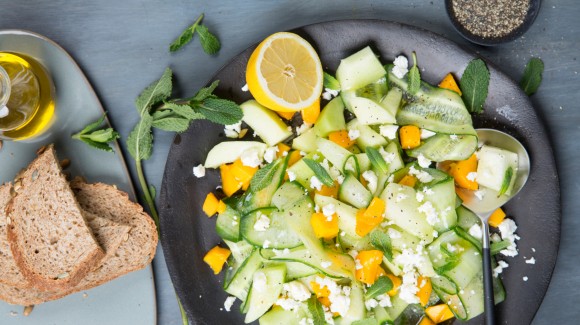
492,41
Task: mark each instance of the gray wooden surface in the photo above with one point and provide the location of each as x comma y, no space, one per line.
122,47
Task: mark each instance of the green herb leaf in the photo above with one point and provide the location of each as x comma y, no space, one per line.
365,321
221,111
414,77
377,160
157,92
153,191
185,111
210,43
474,85
496,247
93,126
330,82
97,145
507,180
315,309
185,36
206,92
102,136
264,176
140,140
319,172
172,124
97,138
381,286
382,242
532,76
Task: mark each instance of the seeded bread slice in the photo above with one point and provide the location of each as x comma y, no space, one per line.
48,233
108,233
9,272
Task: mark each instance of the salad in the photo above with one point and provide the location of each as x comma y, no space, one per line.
356,217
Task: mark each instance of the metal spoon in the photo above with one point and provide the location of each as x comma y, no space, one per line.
490,202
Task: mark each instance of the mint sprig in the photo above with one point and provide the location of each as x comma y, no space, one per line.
209,42
96,137
414,77
319,172
330,82
382,242
532,76
316,311
264,176
381,286
474,85
377,160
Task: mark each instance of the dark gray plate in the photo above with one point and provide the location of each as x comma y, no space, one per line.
187,234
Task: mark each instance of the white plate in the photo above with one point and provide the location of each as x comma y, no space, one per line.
129,299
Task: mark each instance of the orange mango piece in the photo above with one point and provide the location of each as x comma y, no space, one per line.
341,138
323,227
449,83
282,148
367,219
375,208
425,289
311,113
426,321
221,207
408,180
410,136
331,191
216,258
286,115
496,217
396,284
439,313
381,272
461,173
210,205
294,157
370,261
229,184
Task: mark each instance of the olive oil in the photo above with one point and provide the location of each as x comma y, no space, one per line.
29,108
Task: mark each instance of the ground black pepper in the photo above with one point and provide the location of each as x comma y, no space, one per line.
490,18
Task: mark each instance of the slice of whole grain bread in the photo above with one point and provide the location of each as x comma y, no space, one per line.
9,272
50,240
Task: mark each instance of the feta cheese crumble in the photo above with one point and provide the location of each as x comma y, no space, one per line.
329,210
245,88
475,231
426,134
423,161
353,134
525,278
422,176
430,212
229,303
420,197
199,171
531,261
291,175
339,296
266,244
270,154
262,223
233,130
371,179
325,264
507,229
389,131
315,183
260,282
401,66
328,93
303,128
479,194
251,158
499,268
471,176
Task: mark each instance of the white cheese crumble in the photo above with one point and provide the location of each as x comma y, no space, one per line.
353,134
507,229
430,212
233,130
245,88
262,223
251,158
423,176
499,268
315,183
296,290
199,171
328,93
270,154
423,161
339,296
291,175
389,131
394,234
401,66
266,244
531,261
525,278
387,156
479,194
426,134
325,264
229,302
475,231
288,303
420,197
303,128
471,176
372,180
428,191
384,300
329,210
260,282
371,303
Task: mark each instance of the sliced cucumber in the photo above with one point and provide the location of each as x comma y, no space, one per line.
241,280
265,122
356,310
466,218
359,70
288,194
366,110
392,101
443,198
354,193
398,306
306,141
336,154
263,296
297,270
230,151
396,162
441,147
277,235
314,259
368,137
227,225
253,200
493,168
331,118
302,172
279,316
240,250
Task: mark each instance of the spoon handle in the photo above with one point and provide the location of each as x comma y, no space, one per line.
487,279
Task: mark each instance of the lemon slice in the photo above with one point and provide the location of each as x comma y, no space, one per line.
284,73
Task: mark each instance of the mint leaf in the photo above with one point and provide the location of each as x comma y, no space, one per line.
382,242
320,172
377,160
97,145
96,138
532,76
474,85
315,309
157,92
103,136
381,286
206,92
93,126
507,180
172,124
185,36
414,77
182,110
209,42
140,140
221,111
498,246
264,176
330,82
